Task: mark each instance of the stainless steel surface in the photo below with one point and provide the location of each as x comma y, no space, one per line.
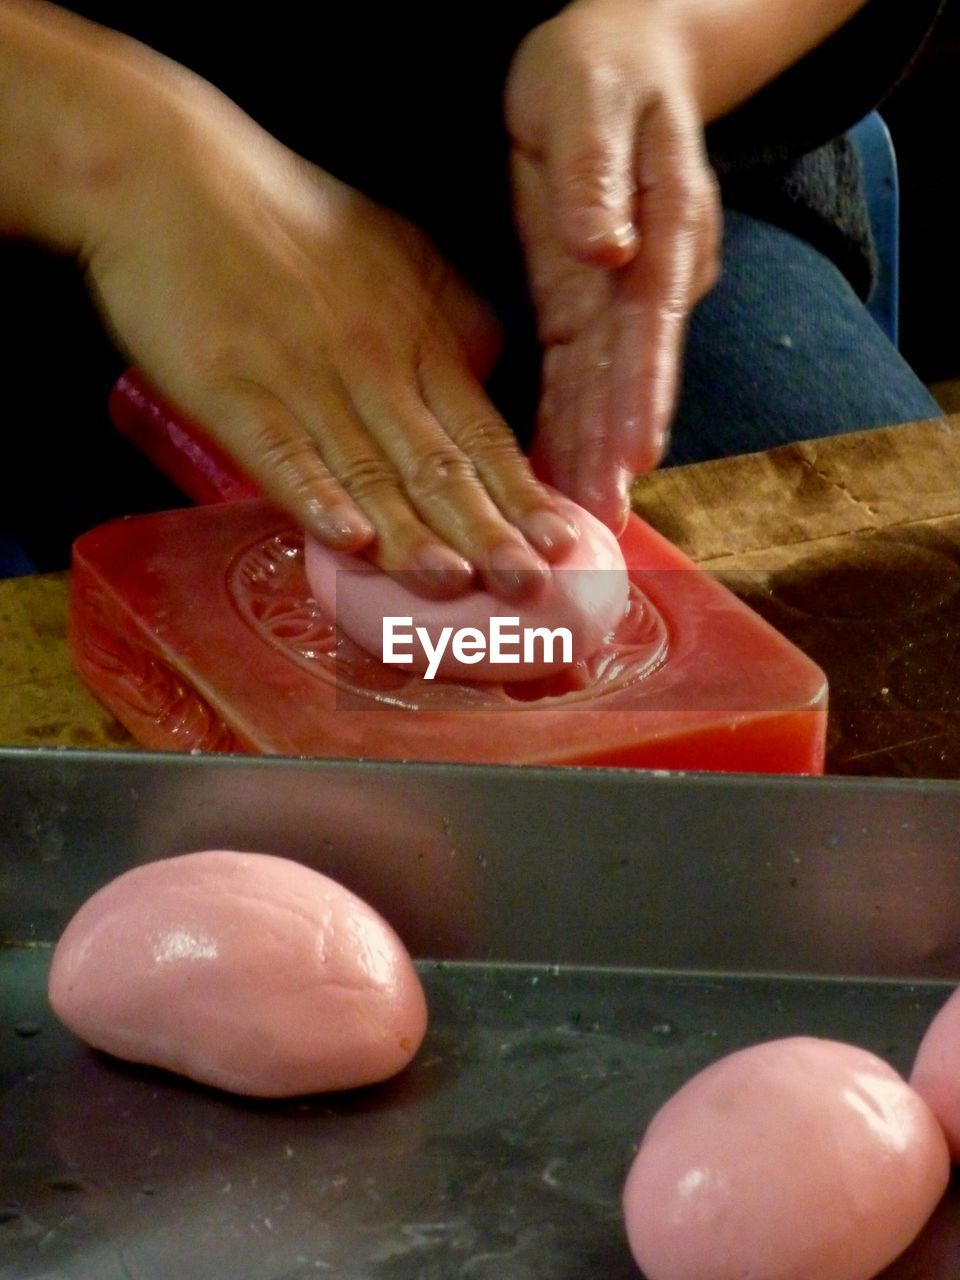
499,1155
547,905
732,873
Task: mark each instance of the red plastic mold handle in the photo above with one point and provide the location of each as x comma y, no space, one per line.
184,452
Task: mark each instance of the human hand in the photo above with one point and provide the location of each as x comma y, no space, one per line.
619,215
318,337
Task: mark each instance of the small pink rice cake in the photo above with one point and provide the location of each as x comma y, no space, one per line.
244,971
797,1159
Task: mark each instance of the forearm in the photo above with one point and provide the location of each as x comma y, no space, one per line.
735,47
76,105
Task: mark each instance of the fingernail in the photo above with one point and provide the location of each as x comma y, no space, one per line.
621,511
609,501
661,444
514,572
549,532
598,232
624,235
439,571
341,525
644,446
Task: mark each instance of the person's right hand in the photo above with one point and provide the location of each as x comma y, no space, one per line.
619,214
317,336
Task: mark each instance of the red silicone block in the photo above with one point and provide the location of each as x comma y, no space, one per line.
196,627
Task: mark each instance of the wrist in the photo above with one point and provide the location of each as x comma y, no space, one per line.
667,36
81,110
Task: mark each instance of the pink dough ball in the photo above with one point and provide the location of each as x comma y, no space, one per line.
936,1071
243,971
586,593
798,1159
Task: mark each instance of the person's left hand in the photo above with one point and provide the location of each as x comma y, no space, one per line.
619,215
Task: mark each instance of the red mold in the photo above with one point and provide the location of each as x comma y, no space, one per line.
197,629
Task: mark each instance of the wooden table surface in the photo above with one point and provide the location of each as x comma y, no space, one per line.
850,546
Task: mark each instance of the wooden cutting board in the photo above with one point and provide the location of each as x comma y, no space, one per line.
850,546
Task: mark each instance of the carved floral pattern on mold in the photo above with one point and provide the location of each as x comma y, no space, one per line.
145,693
267,586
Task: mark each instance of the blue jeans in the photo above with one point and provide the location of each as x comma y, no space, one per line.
782,350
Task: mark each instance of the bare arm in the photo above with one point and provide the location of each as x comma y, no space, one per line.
738,46
318,336
68,93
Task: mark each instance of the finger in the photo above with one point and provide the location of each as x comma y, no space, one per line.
676,215
592,473
269,441
601,483
558,311
482,436
443,486
555,447
283,445
563,294
574,313
589,157
561,411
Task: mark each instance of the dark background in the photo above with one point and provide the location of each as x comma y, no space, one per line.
923,116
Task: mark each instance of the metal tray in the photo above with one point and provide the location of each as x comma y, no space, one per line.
597,965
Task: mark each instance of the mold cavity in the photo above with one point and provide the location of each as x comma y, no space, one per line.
268,588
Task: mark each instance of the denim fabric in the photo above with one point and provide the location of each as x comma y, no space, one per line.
782,350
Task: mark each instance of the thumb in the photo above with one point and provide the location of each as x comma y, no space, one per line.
590,166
